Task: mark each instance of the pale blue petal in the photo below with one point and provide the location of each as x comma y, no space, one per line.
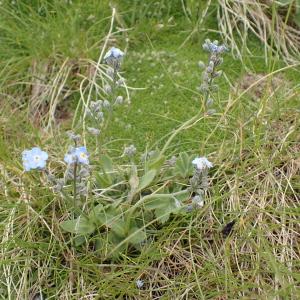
26,166
41,164
69,158
44,155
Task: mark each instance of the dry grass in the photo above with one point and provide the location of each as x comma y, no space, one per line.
272,25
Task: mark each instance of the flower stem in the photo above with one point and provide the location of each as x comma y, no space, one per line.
113,98
75,186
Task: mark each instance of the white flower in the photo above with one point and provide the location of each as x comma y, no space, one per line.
114,53
139,283
202,163
113,58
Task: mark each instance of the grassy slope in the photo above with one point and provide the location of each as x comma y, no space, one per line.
253,146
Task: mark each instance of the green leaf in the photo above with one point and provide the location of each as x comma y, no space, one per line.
162,215
156,163
80,226
119,227
184,196
162,206
285,2
183,165
106,163
116,241
134,183
158,202
147,179
136,235
93,215
107,216
79,240
103,180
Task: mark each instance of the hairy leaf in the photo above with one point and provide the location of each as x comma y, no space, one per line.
183,165
80,226
147,179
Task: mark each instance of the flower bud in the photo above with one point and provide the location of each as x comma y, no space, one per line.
209,102
201,64
93,131
119,100
106,104
107,89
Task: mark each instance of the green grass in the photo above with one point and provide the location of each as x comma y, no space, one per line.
253,141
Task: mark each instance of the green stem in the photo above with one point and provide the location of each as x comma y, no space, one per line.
75,186
113,96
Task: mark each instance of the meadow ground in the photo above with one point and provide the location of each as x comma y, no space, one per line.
243,243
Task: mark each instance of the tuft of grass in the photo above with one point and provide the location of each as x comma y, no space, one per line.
275,23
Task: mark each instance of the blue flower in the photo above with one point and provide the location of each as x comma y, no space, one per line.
70,157
202,163
82,155
34,159
78,154
213,47
139,283
113,57
114,53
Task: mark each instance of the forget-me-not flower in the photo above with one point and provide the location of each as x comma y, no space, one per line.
113,53
113,57
34,159
213,47
139,283
78,154
202,163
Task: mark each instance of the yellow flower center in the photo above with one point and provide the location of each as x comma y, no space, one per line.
82,155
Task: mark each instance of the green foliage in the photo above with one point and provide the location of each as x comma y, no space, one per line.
164,205
147,179
123,222
80,226
183,165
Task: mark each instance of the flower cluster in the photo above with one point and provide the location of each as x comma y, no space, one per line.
129,151
74,137
35,158
199,181
213,47
210,70
96,109
77,159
